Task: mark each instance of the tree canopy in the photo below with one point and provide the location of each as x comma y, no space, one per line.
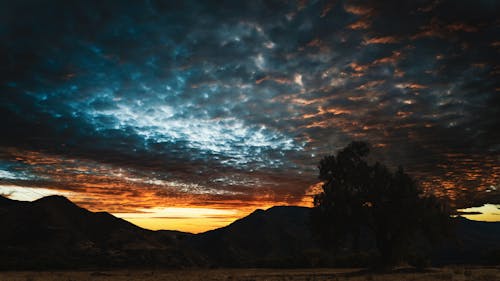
403,222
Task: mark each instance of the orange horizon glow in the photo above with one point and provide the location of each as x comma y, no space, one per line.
190,217
180,216
186,219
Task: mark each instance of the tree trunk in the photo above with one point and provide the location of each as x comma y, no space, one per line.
385,249
355,239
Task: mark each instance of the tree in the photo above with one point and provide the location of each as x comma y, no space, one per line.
402,220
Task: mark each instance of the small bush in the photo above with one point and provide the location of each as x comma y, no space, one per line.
467,272
486,276
443,275
420,262
458,270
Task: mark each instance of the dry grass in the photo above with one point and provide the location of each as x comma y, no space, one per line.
448,273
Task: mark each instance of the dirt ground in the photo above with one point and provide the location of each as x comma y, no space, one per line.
449,273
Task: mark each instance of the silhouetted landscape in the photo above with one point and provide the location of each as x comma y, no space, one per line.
53,233
249,140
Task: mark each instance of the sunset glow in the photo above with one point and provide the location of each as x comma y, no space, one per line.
188,116
487,212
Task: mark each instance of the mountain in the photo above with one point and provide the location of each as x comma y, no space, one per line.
54,232
277,237
477,242
281,237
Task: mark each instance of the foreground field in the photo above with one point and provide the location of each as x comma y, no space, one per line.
449,273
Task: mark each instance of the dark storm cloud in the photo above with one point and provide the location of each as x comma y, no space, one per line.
237,98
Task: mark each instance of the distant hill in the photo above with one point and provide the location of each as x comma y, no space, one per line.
477,242
281,237
277,237
52,232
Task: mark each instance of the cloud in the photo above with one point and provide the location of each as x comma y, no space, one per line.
233,103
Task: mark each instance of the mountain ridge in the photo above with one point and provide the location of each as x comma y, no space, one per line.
53,232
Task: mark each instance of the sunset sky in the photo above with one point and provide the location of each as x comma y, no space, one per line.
189,115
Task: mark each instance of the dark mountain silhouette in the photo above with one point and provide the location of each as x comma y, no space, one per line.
52,232
477,243
277,237
281,237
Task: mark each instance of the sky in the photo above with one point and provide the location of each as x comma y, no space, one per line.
189,114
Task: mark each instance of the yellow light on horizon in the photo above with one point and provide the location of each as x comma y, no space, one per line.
178,212
184,218
487,212
188,219
191,225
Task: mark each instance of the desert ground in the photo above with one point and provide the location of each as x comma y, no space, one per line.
457,273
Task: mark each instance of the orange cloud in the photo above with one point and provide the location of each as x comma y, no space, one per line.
314,43
413,86
430,7
322,111
360,24
371,84
301,4
358,67
393,59
138,195
327,8
458,26
357,9
439,29
279,80
311,191
381,40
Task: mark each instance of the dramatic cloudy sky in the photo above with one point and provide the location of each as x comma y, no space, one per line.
190,114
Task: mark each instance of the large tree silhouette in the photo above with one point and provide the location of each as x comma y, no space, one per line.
402,220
